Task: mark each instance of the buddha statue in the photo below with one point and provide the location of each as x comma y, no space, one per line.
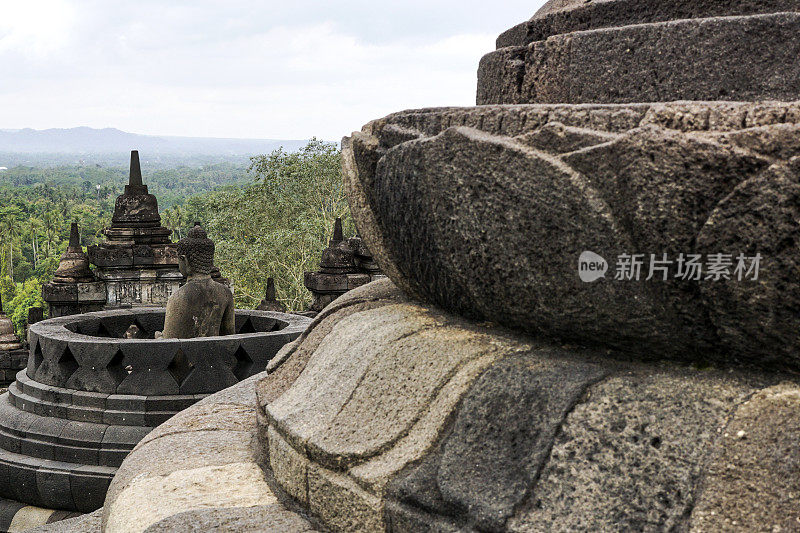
8,339
201,307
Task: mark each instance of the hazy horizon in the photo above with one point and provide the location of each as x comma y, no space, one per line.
112,128
237,69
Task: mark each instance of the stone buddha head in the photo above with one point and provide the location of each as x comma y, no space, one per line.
196,253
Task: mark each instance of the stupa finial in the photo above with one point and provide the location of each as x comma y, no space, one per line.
135,179
74,237
338,234
270,293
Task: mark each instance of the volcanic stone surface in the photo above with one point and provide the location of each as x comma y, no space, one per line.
647,51
74,289
90,394
486,211
411,407
13,357
345,265
391,415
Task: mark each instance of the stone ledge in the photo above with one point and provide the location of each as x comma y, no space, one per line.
16,516
196,473
531,187
534,435
578,15
717,58
525,433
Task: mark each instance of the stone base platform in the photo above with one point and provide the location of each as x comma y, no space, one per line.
200,471
90,394
387,415
16,516
60,449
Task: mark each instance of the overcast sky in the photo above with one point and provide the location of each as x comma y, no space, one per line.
282,70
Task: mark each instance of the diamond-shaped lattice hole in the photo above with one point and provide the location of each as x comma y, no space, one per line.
179,367
144,332
242,364
116,368
37,355
67,363
102,331
247,327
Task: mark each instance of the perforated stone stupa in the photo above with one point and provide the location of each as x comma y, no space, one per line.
13,355
137,263
74,289
345,265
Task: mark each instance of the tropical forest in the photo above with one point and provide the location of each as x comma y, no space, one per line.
270,216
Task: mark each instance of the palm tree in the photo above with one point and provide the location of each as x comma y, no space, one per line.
52,223
36,227
10,231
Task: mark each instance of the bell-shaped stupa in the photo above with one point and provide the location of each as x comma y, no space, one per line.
13,357
74,289
137,262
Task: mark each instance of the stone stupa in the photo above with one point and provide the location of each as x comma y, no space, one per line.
74,289
270,301
13,356
492,384
137,262
345,265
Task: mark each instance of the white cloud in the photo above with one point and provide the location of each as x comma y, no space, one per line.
233,69
35,28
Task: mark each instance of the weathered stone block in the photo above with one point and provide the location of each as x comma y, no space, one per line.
714,58
91,292
60,293
502,215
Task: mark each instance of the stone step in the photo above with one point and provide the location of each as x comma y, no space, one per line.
716,58
557,18
53,484
115,409
48,438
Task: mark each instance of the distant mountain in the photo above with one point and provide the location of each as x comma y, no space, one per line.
111,145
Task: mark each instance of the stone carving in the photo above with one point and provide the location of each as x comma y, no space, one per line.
492,431
345,265
548,182
202,307
137,263
270,301
675,178
8,339
402,416
13,357
90,393
74,289
489,388
35,314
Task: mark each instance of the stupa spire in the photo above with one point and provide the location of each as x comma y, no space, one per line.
135,178
74,238
338,234
269,294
